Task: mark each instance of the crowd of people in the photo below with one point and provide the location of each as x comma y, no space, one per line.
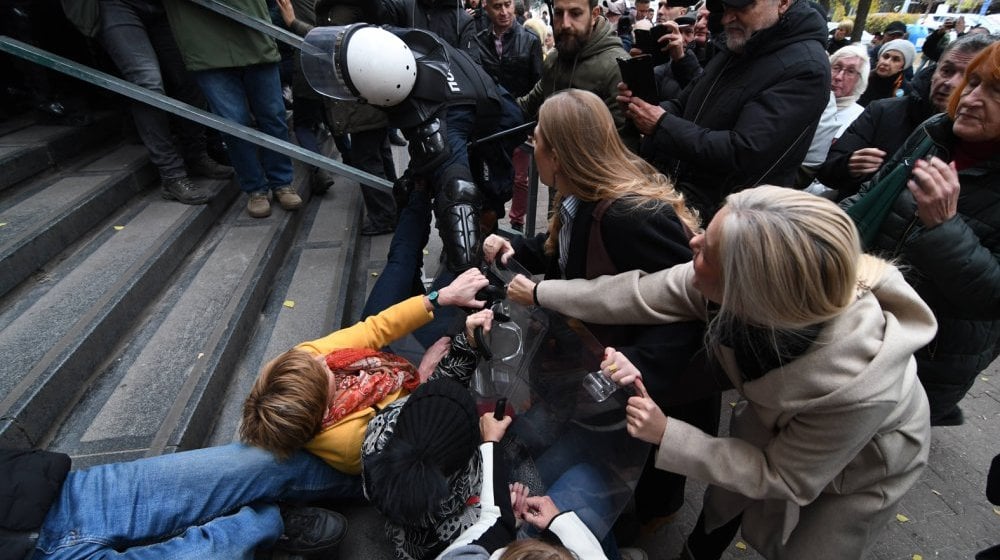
704,226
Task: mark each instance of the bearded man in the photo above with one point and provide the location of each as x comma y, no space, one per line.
749,119
585,58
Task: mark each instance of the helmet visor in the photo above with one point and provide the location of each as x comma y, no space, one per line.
320,55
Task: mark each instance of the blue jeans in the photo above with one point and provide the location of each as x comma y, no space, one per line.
400,279
244,95
208,503
581,489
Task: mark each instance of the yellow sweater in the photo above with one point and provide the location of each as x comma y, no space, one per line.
340,444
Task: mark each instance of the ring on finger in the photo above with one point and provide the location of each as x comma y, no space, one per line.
612,368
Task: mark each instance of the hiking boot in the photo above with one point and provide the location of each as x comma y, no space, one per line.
259,205
183,190
288,198
204,166
311,531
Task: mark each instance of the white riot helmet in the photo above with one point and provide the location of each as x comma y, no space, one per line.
359,62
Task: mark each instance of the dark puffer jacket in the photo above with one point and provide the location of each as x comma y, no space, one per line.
955,267
749,118
519,67
885,124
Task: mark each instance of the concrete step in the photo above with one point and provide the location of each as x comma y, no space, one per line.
308,299
44,216
28,148
58,327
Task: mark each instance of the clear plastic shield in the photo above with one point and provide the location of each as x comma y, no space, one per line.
319,62
563,440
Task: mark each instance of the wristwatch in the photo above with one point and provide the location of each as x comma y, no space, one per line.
433,296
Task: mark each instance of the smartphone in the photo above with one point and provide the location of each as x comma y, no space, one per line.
646,40
501,408
637,73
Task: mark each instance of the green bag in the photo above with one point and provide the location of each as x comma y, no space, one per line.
873,205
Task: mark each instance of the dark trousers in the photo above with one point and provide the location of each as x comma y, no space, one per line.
137,37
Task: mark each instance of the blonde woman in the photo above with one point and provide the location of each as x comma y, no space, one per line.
615,213
833,426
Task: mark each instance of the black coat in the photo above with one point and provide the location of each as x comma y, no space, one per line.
955,267
30,481
748,119
520,65
452,24
885,124
635,238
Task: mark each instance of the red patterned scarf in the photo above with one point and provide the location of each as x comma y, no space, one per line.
363,378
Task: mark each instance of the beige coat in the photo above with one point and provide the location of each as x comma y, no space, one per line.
822,449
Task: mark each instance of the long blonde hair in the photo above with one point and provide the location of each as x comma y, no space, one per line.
789,259
576,126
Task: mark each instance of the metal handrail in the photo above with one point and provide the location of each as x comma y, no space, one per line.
181,109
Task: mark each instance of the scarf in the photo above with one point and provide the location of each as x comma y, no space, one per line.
363,377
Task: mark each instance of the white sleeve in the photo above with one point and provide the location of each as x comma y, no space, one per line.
575,536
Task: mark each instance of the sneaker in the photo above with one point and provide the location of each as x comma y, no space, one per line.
517,227
311,531
288,198
259,205
183,190
204,166
395,138
633,554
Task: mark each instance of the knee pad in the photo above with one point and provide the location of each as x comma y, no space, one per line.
457,207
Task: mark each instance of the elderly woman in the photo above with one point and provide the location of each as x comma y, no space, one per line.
832,428
946,228
615,213
849,72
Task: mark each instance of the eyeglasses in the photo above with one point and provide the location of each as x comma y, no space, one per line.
847,71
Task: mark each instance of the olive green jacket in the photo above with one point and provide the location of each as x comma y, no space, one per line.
210,41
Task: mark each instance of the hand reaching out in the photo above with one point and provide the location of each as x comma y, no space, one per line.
496,245
483,319
541,510
644,419
462,290
521,290
492,429
617,367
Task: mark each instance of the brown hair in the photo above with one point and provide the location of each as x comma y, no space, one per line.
578,129
286,406
535,549
986,66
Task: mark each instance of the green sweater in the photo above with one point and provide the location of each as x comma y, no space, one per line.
209,41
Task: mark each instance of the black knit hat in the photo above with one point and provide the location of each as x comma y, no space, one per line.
435,436
439,421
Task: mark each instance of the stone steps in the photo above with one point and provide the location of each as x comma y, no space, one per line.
131,324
